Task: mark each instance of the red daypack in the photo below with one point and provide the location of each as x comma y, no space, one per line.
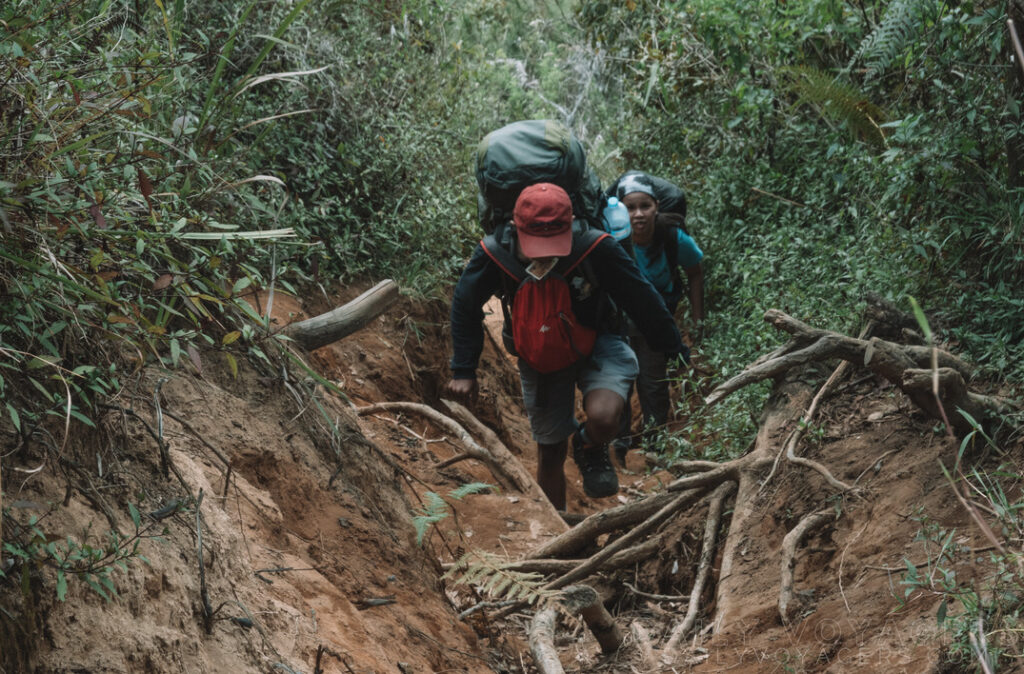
545,331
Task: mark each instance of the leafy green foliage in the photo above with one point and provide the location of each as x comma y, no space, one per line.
91,562
900,29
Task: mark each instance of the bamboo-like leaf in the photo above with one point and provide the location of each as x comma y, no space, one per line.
279,76
214,236
258,178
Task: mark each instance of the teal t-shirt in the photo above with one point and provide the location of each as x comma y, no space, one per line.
657,271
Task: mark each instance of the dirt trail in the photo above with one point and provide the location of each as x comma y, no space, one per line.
313,545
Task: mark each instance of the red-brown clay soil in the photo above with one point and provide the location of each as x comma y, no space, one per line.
310,558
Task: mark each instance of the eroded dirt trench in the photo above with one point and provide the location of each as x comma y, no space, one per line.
311,563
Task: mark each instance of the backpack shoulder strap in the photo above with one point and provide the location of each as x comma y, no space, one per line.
505,260
582,245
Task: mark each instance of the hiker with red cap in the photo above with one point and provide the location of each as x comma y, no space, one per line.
557,281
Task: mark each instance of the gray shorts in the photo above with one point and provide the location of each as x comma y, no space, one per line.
550,399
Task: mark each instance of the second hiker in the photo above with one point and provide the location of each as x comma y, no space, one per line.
661,246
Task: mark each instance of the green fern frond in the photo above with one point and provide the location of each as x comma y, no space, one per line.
469,489
839,100
434,510
902,25
485,571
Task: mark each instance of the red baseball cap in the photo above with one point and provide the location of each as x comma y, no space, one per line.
543,217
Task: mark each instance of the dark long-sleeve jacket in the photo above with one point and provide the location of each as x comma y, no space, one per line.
616,274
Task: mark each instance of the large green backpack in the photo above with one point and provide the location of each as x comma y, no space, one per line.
533,151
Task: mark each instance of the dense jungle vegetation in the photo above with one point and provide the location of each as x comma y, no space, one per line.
159,159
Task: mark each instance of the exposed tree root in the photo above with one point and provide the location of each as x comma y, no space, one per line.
507,476
787,415
628,557
887,359
789,545
505,467
711,526
643,647
586,532
598,560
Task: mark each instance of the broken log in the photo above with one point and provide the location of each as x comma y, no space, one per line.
338,323
584,600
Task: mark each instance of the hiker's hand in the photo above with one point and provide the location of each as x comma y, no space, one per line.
464,390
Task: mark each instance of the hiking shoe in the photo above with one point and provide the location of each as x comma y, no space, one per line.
599,478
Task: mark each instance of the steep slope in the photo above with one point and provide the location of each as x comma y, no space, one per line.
309,554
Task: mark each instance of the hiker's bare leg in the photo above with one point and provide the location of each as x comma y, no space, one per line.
603,408
551,472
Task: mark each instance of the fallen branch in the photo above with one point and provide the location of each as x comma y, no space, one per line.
789,545
501,473
711,526
542,642
339,323
587,531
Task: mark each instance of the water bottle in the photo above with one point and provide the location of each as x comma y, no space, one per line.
616,219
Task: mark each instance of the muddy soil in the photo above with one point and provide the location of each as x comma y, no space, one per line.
310,561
